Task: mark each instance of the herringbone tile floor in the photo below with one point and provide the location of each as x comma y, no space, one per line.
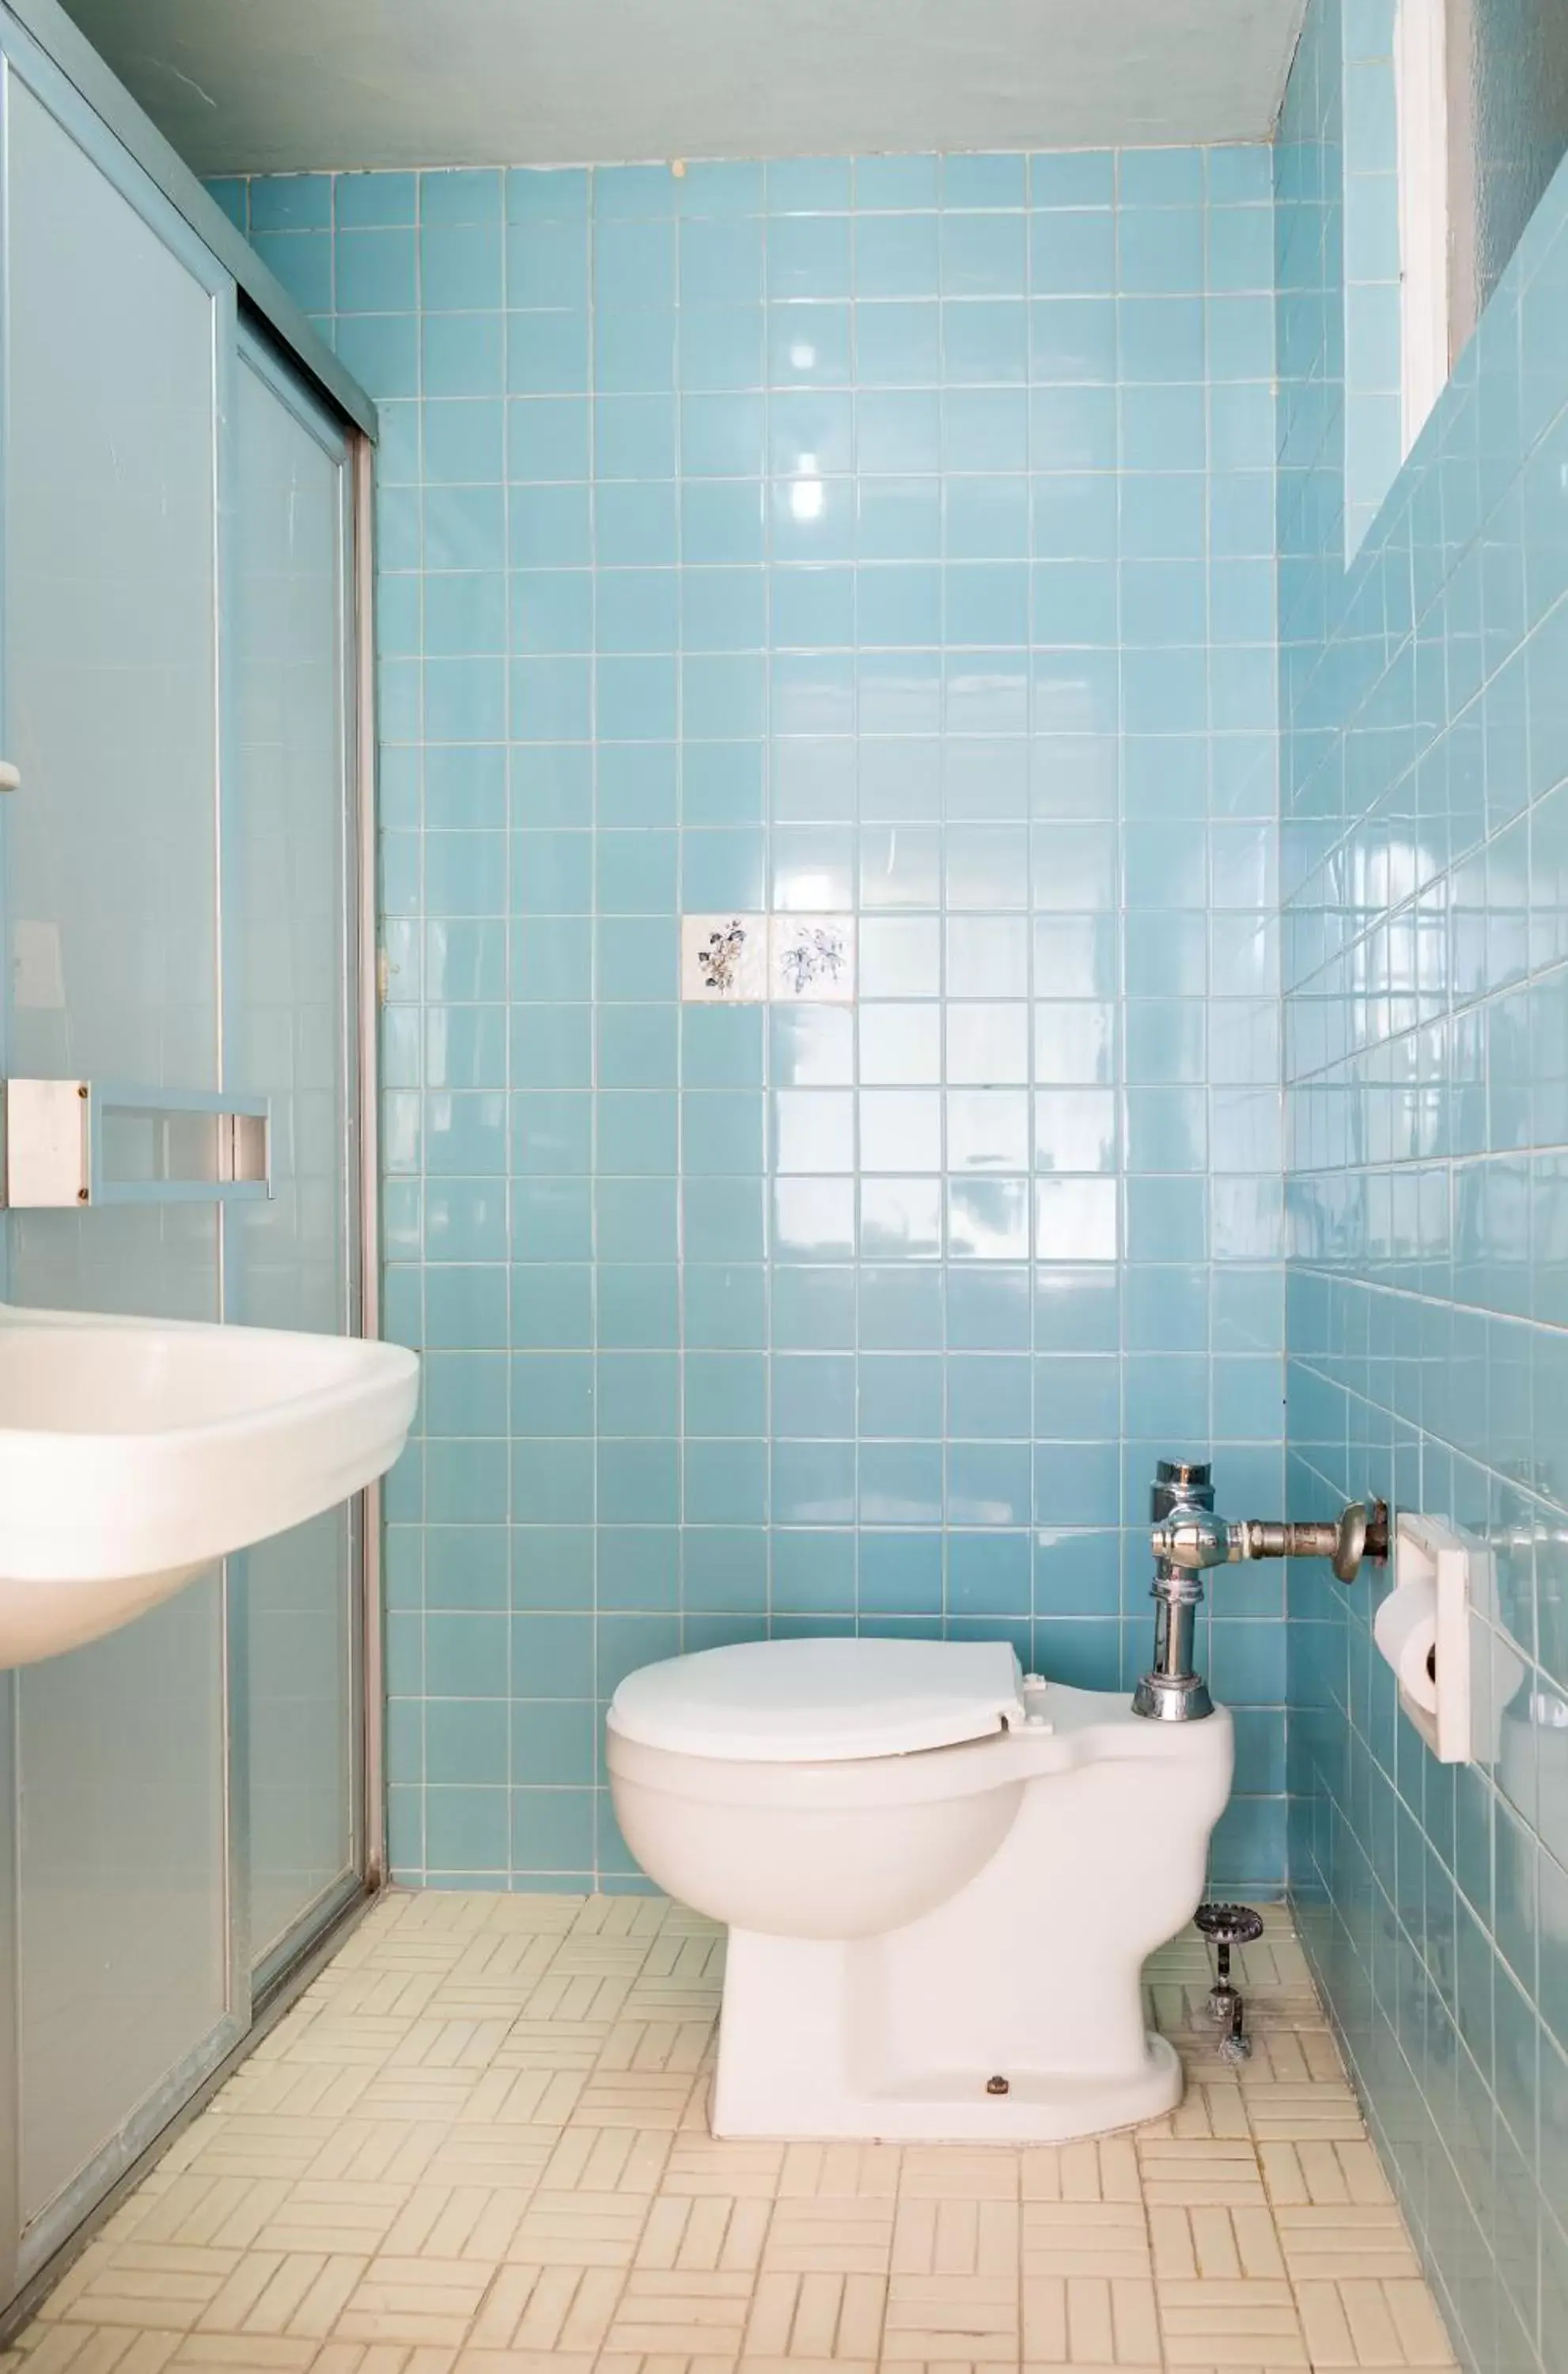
478,2145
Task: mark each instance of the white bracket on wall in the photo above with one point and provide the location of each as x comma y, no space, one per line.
70,1143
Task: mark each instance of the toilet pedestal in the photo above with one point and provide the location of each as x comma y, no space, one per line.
1032,1973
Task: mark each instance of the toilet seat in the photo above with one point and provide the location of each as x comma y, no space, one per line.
813,1701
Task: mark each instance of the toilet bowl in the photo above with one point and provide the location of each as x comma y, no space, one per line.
941,1878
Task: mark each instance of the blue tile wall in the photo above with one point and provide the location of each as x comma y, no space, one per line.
1374,402
1424,716
897,534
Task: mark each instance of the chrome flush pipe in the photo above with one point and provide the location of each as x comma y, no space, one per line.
1187,1537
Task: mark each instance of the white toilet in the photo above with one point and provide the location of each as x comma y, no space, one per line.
941,1878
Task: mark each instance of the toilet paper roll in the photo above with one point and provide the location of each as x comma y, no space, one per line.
1404,1629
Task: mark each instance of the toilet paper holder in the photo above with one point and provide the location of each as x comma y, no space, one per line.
1422,1630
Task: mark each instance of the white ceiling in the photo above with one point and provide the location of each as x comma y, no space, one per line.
258,86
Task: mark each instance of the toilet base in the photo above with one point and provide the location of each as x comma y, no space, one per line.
949,2105
899,2032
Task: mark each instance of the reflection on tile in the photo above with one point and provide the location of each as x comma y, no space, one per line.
1075,1220
900,1129
1075,1129
988,1219
987,1129
813,1219
900,1220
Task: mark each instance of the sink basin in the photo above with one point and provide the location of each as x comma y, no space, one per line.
135,1452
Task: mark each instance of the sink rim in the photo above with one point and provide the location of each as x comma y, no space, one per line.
349,1361
98,1525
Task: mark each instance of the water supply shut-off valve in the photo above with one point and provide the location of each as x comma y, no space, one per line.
1188,1538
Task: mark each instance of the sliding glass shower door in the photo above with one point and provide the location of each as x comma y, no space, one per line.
289,963
110,522
182,1805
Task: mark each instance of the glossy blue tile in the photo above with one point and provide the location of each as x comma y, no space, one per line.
546,354
382,352
377,271
634,435
303,262
361,200
808,255
289,202
547,439
725,634
984,180
460,265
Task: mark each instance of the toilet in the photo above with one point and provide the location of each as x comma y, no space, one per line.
941,1878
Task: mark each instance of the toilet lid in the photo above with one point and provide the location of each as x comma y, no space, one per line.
814,1701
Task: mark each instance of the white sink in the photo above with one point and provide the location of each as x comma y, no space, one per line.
135,1452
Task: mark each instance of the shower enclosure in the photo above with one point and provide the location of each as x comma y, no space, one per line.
185,1807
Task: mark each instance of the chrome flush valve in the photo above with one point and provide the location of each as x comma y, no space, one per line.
1187,1537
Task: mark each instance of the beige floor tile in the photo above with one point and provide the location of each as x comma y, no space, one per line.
161,2286
580,2230
1089,2321
507,2095
1089,2238
576,1995
936,2173
1237,2322
1368,2325
816,2317
742,2170
852,2236
663,2310
91,2349
614,2361
479,2146
551,2044
1183,2174
296,2294
751,2365
1211,2110
1292,2057
1326,2175
967,2236
1324,2111
1104,2170
230,2212
1343,2244
1215,2243
600,2159
517,2361
704,2234
415,2301
246,2353
938,2316
655,2047
839,2171
629,2099
549,2309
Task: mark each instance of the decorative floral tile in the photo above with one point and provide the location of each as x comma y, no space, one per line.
724,960
813,959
